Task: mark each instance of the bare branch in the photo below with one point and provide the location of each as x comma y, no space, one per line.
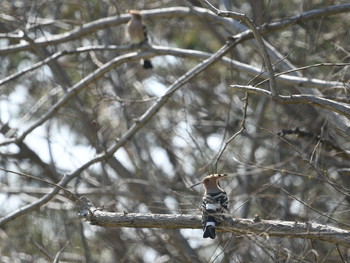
312,14
331,105
238,225
76,33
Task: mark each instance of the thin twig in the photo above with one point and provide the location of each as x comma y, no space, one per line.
340,254
325,64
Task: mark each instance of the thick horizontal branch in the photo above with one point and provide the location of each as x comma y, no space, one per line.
238,225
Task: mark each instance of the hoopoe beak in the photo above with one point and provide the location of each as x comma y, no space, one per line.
194,185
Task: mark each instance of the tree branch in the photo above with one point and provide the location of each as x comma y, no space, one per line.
255,226
334,106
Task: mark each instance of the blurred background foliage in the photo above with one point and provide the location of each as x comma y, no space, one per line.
297,148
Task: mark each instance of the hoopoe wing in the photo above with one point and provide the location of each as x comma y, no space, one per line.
222,199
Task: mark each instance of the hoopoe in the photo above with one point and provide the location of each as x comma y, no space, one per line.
137,34
215,202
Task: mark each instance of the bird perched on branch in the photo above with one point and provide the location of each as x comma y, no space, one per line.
214,203
137,34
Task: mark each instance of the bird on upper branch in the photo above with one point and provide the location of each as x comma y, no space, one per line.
214,203
137,34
